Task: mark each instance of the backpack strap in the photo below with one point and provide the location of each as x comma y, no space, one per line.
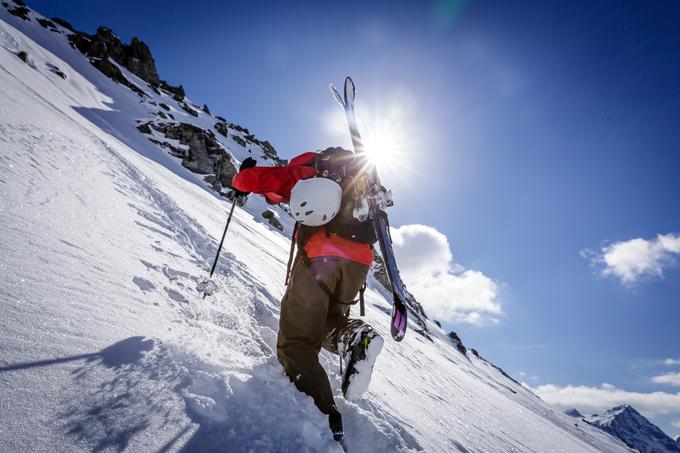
362,308
291,255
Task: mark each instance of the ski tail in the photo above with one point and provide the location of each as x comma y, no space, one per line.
399,318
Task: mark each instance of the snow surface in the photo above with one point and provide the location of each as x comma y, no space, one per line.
106,345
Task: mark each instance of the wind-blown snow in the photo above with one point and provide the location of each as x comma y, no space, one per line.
105,343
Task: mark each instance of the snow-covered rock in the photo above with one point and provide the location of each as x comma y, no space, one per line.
106,344
634,429
573,413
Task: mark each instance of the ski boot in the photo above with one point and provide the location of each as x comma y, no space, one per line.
360,357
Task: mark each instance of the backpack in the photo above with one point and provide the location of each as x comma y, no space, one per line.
343,167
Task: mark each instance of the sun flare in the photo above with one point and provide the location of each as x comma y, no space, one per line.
389,136
384,140
380,148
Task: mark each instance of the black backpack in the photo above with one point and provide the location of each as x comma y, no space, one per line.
343,167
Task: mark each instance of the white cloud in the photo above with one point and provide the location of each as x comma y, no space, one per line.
637,258
669,378
675,424
447,291
590,400
671,362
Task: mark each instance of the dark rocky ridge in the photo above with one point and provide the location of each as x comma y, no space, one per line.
64,24
223,127
458,343
46,23
20,10
114,73
136,56
205,155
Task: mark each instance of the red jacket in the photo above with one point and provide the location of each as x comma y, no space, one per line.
276,183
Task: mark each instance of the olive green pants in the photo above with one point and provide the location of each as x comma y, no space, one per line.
310,320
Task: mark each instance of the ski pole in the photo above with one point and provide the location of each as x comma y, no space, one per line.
219,249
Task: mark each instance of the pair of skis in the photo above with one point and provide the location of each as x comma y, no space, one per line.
374,193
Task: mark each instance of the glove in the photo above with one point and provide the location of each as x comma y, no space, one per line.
247,163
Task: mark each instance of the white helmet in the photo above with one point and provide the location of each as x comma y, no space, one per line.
315,201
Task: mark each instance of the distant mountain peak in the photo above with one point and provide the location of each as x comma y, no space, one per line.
626,423
573,412
623,407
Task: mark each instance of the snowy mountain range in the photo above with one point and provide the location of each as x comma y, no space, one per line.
113,198
632,428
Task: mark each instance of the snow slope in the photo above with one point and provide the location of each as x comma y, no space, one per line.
105,343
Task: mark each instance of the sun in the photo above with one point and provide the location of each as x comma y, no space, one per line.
380,148
389,137
383,139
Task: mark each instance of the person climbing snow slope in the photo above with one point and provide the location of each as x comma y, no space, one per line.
330,268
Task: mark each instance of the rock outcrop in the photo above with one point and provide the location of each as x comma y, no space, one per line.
56,70
201,152
48,24
222,127
104,44
64,24
458,343
245,138
20,10
177,92
113,72
187,108
273,219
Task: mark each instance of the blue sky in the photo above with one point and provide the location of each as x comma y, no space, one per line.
528,133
